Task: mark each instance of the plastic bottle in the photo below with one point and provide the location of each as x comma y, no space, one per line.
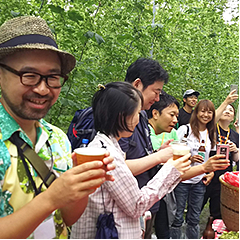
209,233
184,139
202,150
84,143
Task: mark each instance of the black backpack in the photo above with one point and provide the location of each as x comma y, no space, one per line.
82,126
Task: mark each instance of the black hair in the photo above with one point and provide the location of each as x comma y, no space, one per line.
112,104
234,111
165,101
148,70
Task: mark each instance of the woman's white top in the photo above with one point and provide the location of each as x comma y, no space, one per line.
194,144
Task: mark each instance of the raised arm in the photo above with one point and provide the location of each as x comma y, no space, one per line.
232,96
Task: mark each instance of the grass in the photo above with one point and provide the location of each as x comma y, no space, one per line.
204,218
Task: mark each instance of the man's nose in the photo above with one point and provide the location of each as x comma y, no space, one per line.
157,98
42,88
175,120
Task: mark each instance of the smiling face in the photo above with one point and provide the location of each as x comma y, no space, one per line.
150,94
190,101
24,102
228,114
165,121
204,116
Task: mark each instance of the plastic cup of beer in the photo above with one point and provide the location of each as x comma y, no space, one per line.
88,154
180,149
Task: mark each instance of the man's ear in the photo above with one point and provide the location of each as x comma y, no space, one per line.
155,114
137,83
184,99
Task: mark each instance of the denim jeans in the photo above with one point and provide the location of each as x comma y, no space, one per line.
193,195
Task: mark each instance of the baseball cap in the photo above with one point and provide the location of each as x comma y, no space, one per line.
190,92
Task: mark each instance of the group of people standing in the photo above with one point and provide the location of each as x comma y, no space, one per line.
148,140
201,128
138,175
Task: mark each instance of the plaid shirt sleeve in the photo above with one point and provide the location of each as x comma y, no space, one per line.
134,201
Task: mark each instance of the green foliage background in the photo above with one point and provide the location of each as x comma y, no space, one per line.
189,38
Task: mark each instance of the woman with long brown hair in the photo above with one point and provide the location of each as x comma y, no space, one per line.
225,135
200,136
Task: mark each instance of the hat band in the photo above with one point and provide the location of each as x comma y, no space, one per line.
29,39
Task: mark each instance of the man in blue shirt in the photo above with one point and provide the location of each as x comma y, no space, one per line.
149,77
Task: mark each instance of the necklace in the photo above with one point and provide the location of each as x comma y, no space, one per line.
219,135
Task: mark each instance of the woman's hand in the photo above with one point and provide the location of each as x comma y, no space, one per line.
197,158
234,151
232,147
208,178
236,125
216,162
182,164
232,96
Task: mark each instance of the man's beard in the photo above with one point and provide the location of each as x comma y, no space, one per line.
24,112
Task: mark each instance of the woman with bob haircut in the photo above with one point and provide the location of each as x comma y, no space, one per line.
200,132
116,109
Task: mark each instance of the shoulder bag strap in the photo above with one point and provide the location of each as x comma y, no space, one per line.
38,164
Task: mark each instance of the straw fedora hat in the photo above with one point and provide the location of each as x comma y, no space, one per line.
30,33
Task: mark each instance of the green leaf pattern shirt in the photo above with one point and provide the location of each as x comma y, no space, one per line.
16,189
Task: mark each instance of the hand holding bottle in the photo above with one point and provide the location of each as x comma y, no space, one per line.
197,158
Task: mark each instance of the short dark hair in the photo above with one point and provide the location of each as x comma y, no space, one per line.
148,70
112,105
165,101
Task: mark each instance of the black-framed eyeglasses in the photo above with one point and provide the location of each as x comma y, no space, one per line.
31,79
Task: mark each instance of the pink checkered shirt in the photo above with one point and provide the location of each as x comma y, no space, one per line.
123,196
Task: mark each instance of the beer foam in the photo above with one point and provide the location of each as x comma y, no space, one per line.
180,149
90,151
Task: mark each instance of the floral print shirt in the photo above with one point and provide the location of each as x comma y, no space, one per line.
16,189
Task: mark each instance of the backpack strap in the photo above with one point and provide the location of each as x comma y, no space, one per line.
145,144
89,110
187,130
76,120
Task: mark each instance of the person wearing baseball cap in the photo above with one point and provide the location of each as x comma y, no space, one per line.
32,72
190,98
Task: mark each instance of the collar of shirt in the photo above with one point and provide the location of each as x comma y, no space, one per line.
112,141
9,126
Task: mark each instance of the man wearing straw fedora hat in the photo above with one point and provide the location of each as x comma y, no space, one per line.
32,72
